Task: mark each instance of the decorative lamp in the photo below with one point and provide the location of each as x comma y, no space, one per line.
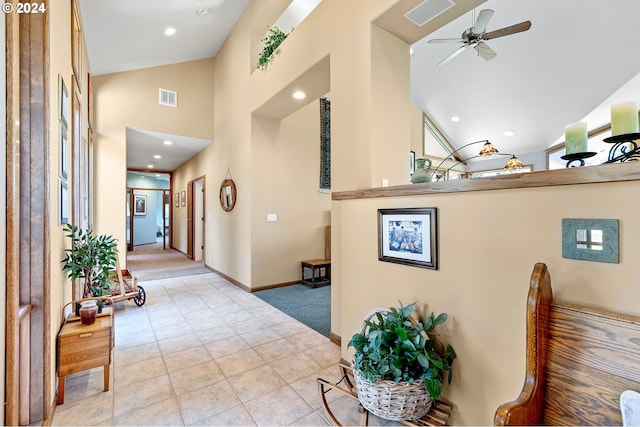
487,150
513,164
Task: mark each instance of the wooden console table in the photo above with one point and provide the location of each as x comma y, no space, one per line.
85,347
320,266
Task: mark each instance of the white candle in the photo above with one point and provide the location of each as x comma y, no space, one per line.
624,118
575,138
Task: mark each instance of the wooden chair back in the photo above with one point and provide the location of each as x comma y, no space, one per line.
579,360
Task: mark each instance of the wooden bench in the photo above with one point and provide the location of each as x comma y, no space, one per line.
578,362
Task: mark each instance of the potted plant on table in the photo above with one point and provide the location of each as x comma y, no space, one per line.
399,363
91,258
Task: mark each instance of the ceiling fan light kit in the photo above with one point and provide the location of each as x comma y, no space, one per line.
476,36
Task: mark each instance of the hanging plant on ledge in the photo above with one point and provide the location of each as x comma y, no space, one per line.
275,36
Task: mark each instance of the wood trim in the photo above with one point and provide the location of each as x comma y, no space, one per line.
28,183
616,172
231,279
336,339
13,218
274,286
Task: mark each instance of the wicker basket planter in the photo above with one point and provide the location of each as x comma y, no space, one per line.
392,400
400,363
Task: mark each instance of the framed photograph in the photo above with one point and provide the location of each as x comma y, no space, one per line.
63,200
412,162
139,205
177,199
63,102
408,236
63,152
183,198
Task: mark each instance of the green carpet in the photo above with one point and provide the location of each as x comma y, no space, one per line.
307,305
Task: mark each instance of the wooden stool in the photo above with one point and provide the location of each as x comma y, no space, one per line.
322,267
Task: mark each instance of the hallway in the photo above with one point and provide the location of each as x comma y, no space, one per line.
201,351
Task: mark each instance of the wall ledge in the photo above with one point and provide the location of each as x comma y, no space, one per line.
629,171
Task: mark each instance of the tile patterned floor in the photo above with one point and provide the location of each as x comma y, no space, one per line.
201,351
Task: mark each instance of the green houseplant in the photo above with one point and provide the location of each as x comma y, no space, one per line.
275,36
90,257
396,351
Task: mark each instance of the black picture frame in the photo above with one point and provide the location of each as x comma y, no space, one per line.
409,236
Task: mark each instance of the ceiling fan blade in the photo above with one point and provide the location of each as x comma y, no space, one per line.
517,28
455,53
458,40
483,20
485,51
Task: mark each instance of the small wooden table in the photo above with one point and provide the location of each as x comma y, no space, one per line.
322,267
85,347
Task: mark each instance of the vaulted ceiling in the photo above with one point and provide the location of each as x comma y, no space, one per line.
576,55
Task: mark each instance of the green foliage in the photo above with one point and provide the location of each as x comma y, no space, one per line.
394,348
275,36
90,258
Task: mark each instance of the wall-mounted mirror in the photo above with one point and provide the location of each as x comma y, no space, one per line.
227,195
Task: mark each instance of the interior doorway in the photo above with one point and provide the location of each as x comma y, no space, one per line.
195,219
148,210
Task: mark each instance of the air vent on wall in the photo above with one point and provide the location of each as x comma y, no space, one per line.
168,97
427,10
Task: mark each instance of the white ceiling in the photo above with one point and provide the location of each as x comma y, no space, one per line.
576,54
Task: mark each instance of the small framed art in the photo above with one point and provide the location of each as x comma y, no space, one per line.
408,236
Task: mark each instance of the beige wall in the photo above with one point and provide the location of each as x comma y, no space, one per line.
60,65
488,244
285,182
130,99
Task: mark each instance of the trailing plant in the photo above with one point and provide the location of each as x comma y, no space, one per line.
275,36
396,347
90,258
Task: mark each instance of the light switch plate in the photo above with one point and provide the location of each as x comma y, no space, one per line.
590,239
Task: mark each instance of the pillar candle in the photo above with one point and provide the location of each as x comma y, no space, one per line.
575,138
624,118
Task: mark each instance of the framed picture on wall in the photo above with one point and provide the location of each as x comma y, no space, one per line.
63,152
140,205
408,236
183,198
177,199
63,102
63,200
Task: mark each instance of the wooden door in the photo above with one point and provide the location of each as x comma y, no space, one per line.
190,219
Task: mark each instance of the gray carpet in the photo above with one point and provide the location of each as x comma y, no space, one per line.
307,305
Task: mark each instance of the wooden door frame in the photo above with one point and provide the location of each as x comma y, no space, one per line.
28,183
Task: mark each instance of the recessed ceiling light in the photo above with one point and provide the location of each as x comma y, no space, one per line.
157,156
204,11
299,94
455,119
168,142
509,133
169,31
150,166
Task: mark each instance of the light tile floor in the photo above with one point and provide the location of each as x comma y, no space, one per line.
201,351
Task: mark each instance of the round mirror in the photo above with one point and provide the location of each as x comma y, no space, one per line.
227,195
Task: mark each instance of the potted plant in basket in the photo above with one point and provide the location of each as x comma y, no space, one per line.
91,258
399,363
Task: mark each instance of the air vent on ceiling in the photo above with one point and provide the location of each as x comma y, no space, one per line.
168,97
427,10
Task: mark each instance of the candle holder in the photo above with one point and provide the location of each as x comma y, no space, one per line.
624,147
577,157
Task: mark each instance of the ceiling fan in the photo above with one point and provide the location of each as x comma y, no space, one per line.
476,36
